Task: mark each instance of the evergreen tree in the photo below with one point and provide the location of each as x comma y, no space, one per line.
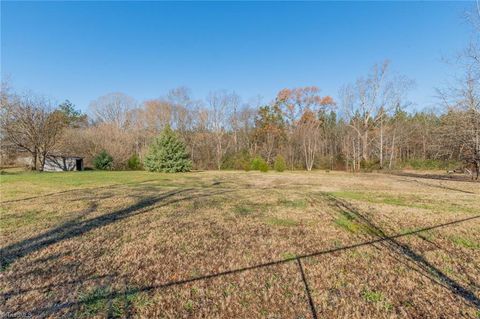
103,161
134,163
167,154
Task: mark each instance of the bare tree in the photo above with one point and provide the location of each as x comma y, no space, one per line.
113,108
30,123
367,101
220,105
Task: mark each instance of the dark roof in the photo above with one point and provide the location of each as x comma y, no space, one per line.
65,156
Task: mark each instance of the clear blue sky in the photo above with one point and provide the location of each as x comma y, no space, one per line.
81,50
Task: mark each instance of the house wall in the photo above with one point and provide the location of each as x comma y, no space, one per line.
58,164
52,163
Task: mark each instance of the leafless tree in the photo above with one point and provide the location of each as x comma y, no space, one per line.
29,123
220,105
113,108
367,101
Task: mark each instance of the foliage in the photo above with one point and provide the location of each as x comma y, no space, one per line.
103,161
237,161
259,164
73,118
263,167
370,165
134,163
280,165
167,154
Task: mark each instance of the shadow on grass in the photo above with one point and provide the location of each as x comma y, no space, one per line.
77,226
403,250
456,288
455,178
435,186
85,189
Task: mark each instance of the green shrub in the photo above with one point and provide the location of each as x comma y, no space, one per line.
280,165
103,161
237,161
369,166
263,166
134,163
255,163
167,154
259,164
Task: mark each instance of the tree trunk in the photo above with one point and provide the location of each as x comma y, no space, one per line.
364,146
381,143
392,151
34,160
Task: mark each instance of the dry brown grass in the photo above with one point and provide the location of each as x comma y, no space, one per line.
228,245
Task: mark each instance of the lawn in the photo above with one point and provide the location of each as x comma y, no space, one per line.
238,245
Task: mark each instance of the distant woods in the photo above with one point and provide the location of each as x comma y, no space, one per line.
368,127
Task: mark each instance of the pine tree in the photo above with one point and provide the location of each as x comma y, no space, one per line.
103,161
167,154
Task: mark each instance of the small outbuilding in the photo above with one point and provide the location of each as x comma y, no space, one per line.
57,163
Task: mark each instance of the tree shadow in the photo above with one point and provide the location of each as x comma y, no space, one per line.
455,178
74,190
78,226
401,249
437,186
72,306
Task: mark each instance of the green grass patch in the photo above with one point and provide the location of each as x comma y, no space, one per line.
376,297
28,184
372,296
243,210
349,222
288,255
24,219
102,300
297,203
465,242
188,305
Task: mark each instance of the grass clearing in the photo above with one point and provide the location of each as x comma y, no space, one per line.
465,242
225,244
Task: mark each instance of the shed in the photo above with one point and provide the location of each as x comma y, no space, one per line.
57,163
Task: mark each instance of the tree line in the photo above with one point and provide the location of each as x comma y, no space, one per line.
368,127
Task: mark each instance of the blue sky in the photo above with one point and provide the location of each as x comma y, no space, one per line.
81,50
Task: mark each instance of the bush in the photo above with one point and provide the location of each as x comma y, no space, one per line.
167,154
237,161
369,166
103,161
263,166
259,164
134,163
255,163
279,165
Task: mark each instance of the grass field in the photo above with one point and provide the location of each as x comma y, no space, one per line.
238,245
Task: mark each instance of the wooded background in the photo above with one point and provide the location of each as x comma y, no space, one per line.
368,127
